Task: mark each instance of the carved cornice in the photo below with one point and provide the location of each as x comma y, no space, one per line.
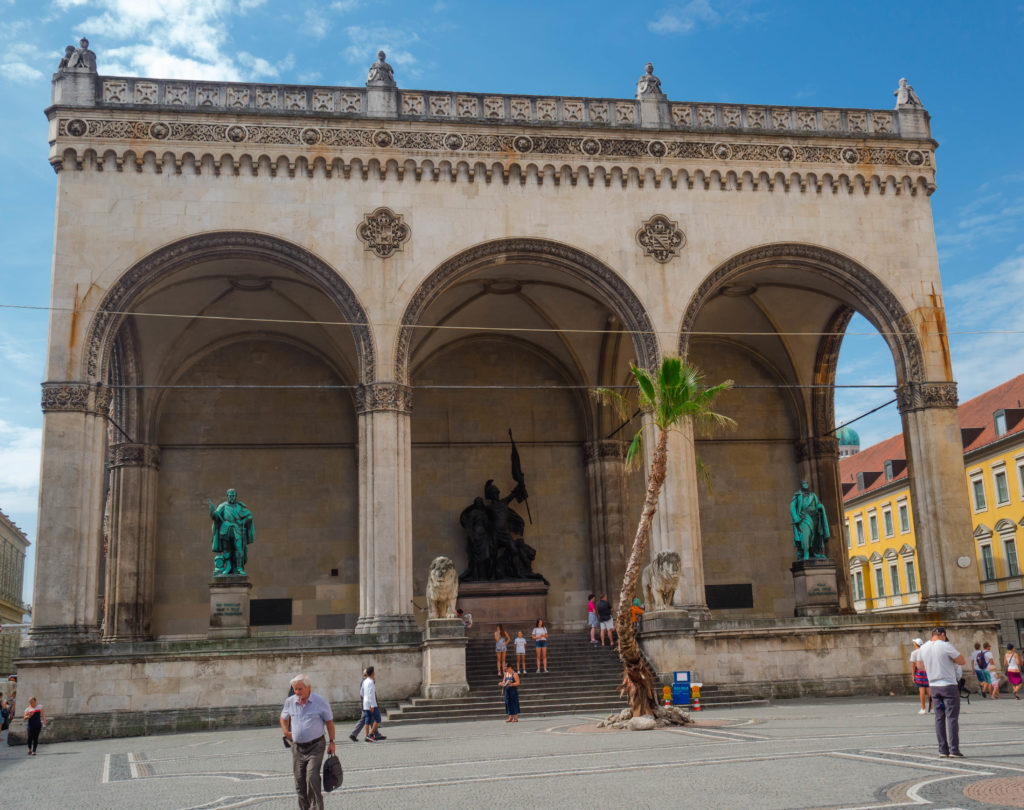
384,397
620,298
860,283
604,450
133,455
917,396
819,447
206,247
79,397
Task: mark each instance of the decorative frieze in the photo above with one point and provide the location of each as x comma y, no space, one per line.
661,238
816,447
604,450
383,232
133,455
80,397
914,396
383,397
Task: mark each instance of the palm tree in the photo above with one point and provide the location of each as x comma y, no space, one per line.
676,397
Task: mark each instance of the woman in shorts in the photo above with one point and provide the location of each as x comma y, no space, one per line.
540,640
592,618
920,676
501,640
1013,669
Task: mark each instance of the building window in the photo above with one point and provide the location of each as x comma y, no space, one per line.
1012,567
873,526
1020,477
911,577
987,564
1001,485
999,417
849,540
860,532
887,520
894,578
888,470
879,583
858,586
978,491
904,517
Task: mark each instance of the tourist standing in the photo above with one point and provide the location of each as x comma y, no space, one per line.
592,618
540,641
501,642
354,736
940,659
371,711
36,718
1013,669
304,718
980,669
993,670
920,676
520,642
510,691
604,617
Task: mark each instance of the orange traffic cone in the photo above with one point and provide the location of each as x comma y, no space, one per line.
696,704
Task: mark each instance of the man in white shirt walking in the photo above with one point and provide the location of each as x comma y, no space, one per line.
371,712
940,659
304,718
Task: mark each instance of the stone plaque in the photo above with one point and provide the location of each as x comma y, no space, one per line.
229,607
814,582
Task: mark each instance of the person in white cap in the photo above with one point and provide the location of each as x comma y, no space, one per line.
920,676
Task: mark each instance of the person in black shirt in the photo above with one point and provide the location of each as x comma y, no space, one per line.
604,618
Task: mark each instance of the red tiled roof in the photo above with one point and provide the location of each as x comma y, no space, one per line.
976,421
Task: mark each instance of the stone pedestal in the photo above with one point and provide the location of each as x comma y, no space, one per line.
666,620
229,607
444,659
814,582
515,604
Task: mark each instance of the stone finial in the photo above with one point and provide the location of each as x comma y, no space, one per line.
906,97
381,74
649,84
80,58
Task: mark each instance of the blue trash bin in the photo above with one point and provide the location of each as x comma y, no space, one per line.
680,694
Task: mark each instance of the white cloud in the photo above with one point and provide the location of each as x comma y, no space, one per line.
365,42
19,468
22,62
187,39
20,72
996,212
345,5
682,19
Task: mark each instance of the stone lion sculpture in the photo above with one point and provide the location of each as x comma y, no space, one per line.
659,580
442,589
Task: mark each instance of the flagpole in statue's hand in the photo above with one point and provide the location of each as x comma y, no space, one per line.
519,478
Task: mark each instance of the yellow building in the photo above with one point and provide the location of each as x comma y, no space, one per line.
879,519
13,544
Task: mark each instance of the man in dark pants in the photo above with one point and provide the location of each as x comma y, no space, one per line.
940,659
303,719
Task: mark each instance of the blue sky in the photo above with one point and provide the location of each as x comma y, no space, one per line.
963,60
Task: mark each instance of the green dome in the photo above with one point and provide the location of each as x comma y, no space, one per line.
847,436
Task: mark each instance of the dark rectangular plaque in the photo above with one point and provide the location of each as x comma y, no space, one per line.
729,597
269,611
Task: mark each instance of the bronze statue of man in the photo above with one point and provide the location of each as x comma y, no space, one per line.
810,525
232,533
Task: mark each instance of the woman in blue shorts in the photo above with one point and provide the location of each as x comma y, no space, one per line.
540,640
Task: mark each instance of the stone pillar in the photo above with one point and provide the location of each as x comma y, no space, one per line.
676,524
385,508
132,544
821,455
938,491
444,659
610,537
70,528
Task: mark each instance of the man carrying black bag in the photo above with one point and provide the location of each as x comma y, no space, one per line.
304,718
333,776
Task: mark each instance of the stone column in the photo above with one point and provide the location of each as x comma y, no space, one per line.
610,537
132,532
938,491
385,508
69,540
676,524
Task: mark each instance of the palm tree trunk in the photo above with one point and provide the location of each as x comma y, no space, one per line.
637,678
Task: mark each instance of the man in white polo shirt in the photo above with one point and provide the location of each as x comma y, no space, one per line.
304,718
940,659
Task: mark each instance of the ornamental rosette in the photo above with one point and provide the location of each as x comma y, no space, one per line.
661,238
383,232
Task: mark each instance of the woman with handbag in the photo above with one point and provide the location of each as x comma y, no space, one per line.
920,676
510,691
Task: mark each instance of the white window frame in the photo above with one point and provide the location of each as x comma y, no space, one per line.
879,582
977,478
894,578
988,562
858,586
1010,545
859,524
911,572
849,537
1020,477
997,471
887,525
903,509
873,525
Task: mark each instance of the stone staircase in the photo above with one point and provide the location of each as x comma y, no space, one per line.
581,679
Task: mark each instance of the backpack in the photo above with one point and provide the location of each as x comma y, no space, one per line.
979,660
333,776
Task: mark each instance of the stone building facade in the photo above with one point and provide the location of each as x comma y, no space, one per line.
337,301
13,545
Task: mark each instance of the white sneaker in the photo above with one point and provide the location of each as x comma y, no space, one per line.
922,711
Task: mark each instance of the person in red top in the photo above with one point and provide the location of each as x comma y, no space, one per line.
36,718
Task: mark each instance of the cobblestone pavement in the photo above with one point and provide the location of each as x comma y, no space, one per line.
841,753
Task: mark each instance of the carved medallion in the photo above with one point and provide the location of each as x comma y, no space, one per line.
236,133
383,232
76,127
786,153
722,151
522,143
590,146
310,136
159,130
851,155
915,158
454,141
657,149
661,238
382,138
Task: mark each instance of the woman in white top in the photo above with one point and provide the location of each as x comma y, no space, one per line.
1013,669
540,640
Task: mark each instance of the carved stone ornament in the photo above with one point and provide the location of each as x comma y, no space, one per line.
383,232
133,455
604,449
819,447
76,396
660,238
919,396
383,397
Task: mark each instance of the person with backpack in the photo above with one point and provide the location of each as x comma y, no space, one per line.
981,669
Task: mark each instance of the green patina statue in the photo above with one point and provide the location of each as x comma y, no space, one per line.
232,533
810,526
